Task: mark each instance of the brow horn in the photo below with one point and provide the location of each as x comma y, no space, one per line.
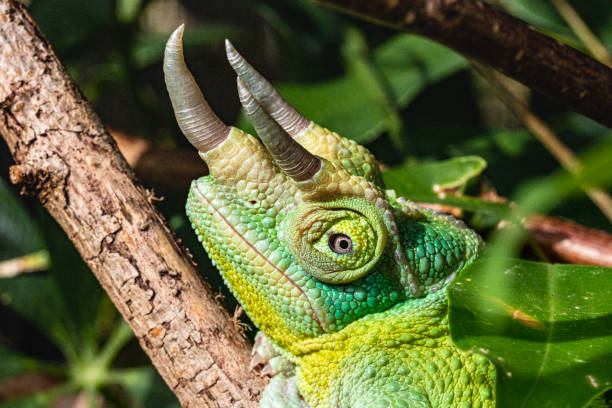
270,100
197,121
295,161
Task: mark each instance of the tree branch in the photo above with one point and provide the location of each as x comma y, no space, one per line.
482,32
67,159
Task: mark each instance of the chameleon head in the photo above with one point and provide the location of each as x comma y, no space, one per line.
298,222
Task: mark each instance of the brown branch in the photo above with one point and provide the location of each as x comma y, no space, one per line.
66,158
482,32
571,242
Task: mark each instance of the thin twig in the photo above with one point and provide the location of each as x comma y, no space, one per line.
582,31
36,261
546,136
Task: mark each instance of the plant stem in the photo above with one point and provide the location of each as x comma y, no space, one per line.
546,136
35,261
118,338
583,31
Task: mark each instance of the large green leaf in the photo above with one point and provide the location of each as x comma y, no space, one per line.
411,63
79,291
352,105
540,196
15,363
541,14
37,299
546,327
596,13
342,105
62,302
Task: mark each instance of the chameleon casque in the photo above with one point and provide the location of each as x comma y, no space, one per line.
346,281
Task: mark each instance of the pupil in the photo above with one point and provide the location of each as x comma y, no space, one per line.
340,244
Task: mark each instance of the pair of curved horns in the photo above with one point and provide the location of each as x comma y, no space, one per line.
274,119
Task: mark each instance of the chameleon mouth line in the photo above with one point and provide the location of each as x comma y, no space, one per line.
231,227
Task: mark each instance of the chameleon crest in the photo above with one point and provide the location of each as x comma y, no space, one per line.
346,281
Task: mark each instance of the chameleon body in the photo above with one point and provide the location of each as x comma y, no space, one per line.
347,281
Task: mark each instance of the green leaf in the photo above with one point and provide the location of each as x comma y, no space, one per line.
411,63
63,302
417,182
19,234
36,298
79,291
542,195
341,105
14,363
127,10
545,327
541,14
146,387
357,109
425,178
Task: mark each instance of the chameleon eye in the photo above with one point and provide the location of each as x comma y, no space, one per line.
340,244
337,241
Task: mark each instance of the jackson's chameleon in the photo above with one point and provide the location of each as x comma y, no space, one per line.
346,281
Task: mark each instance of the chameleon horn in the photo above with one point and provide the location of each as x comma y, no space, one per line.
197,121
295,161
265,94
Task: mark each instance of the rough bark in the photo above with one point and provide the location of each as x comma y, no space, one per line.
482,32
66,158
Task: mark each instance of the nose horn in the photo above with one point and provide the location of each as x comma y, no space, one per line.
197,121
295,161
270,100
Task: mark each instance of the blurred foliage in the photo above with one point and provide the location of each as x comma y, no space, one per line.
545,326
414,103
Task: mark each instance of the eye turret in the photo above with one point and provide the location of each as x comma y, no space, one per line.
336,242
